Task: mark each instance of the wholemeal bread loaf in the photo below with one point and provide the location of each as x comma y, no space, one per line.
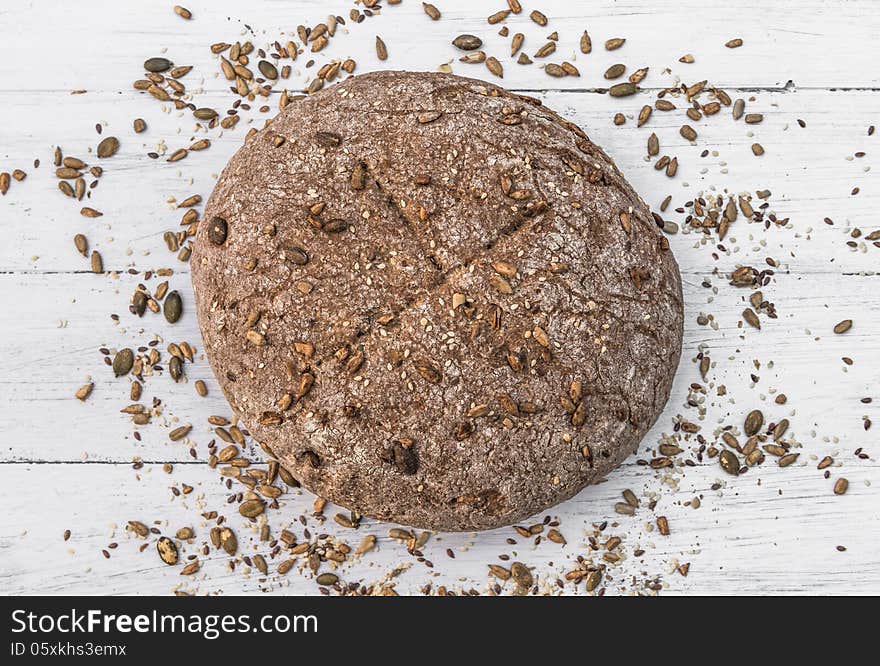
436,302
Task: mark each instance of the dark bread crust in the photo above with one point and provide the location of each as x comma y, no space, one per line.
444,391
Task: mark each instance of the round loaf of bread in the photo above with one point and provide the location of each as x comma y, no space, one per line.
436,302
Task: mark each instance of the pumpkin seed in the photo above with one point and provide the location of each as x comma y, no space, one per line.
167,550
729,462
252,508
157,65
205,113
123,362
173,307
108,147
268,70
327,579
754,421
467,42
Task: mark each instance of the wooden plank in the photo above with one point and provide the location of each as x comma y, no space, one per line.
61,320
811,172
810,42
772,531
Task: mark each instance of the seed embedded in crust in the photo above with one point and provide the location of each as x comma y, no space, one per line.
218,230
401,455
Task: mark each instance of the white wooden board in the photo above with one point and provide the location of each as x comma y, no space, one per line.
67,465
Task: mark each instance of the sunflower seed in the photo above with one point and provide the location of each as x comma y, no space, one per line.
494,66
516,43
751,318
615,71
653,145
639,75
521,575
381,49
586,43
688,132
97,262
431,11
475,57
623,90
84,391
